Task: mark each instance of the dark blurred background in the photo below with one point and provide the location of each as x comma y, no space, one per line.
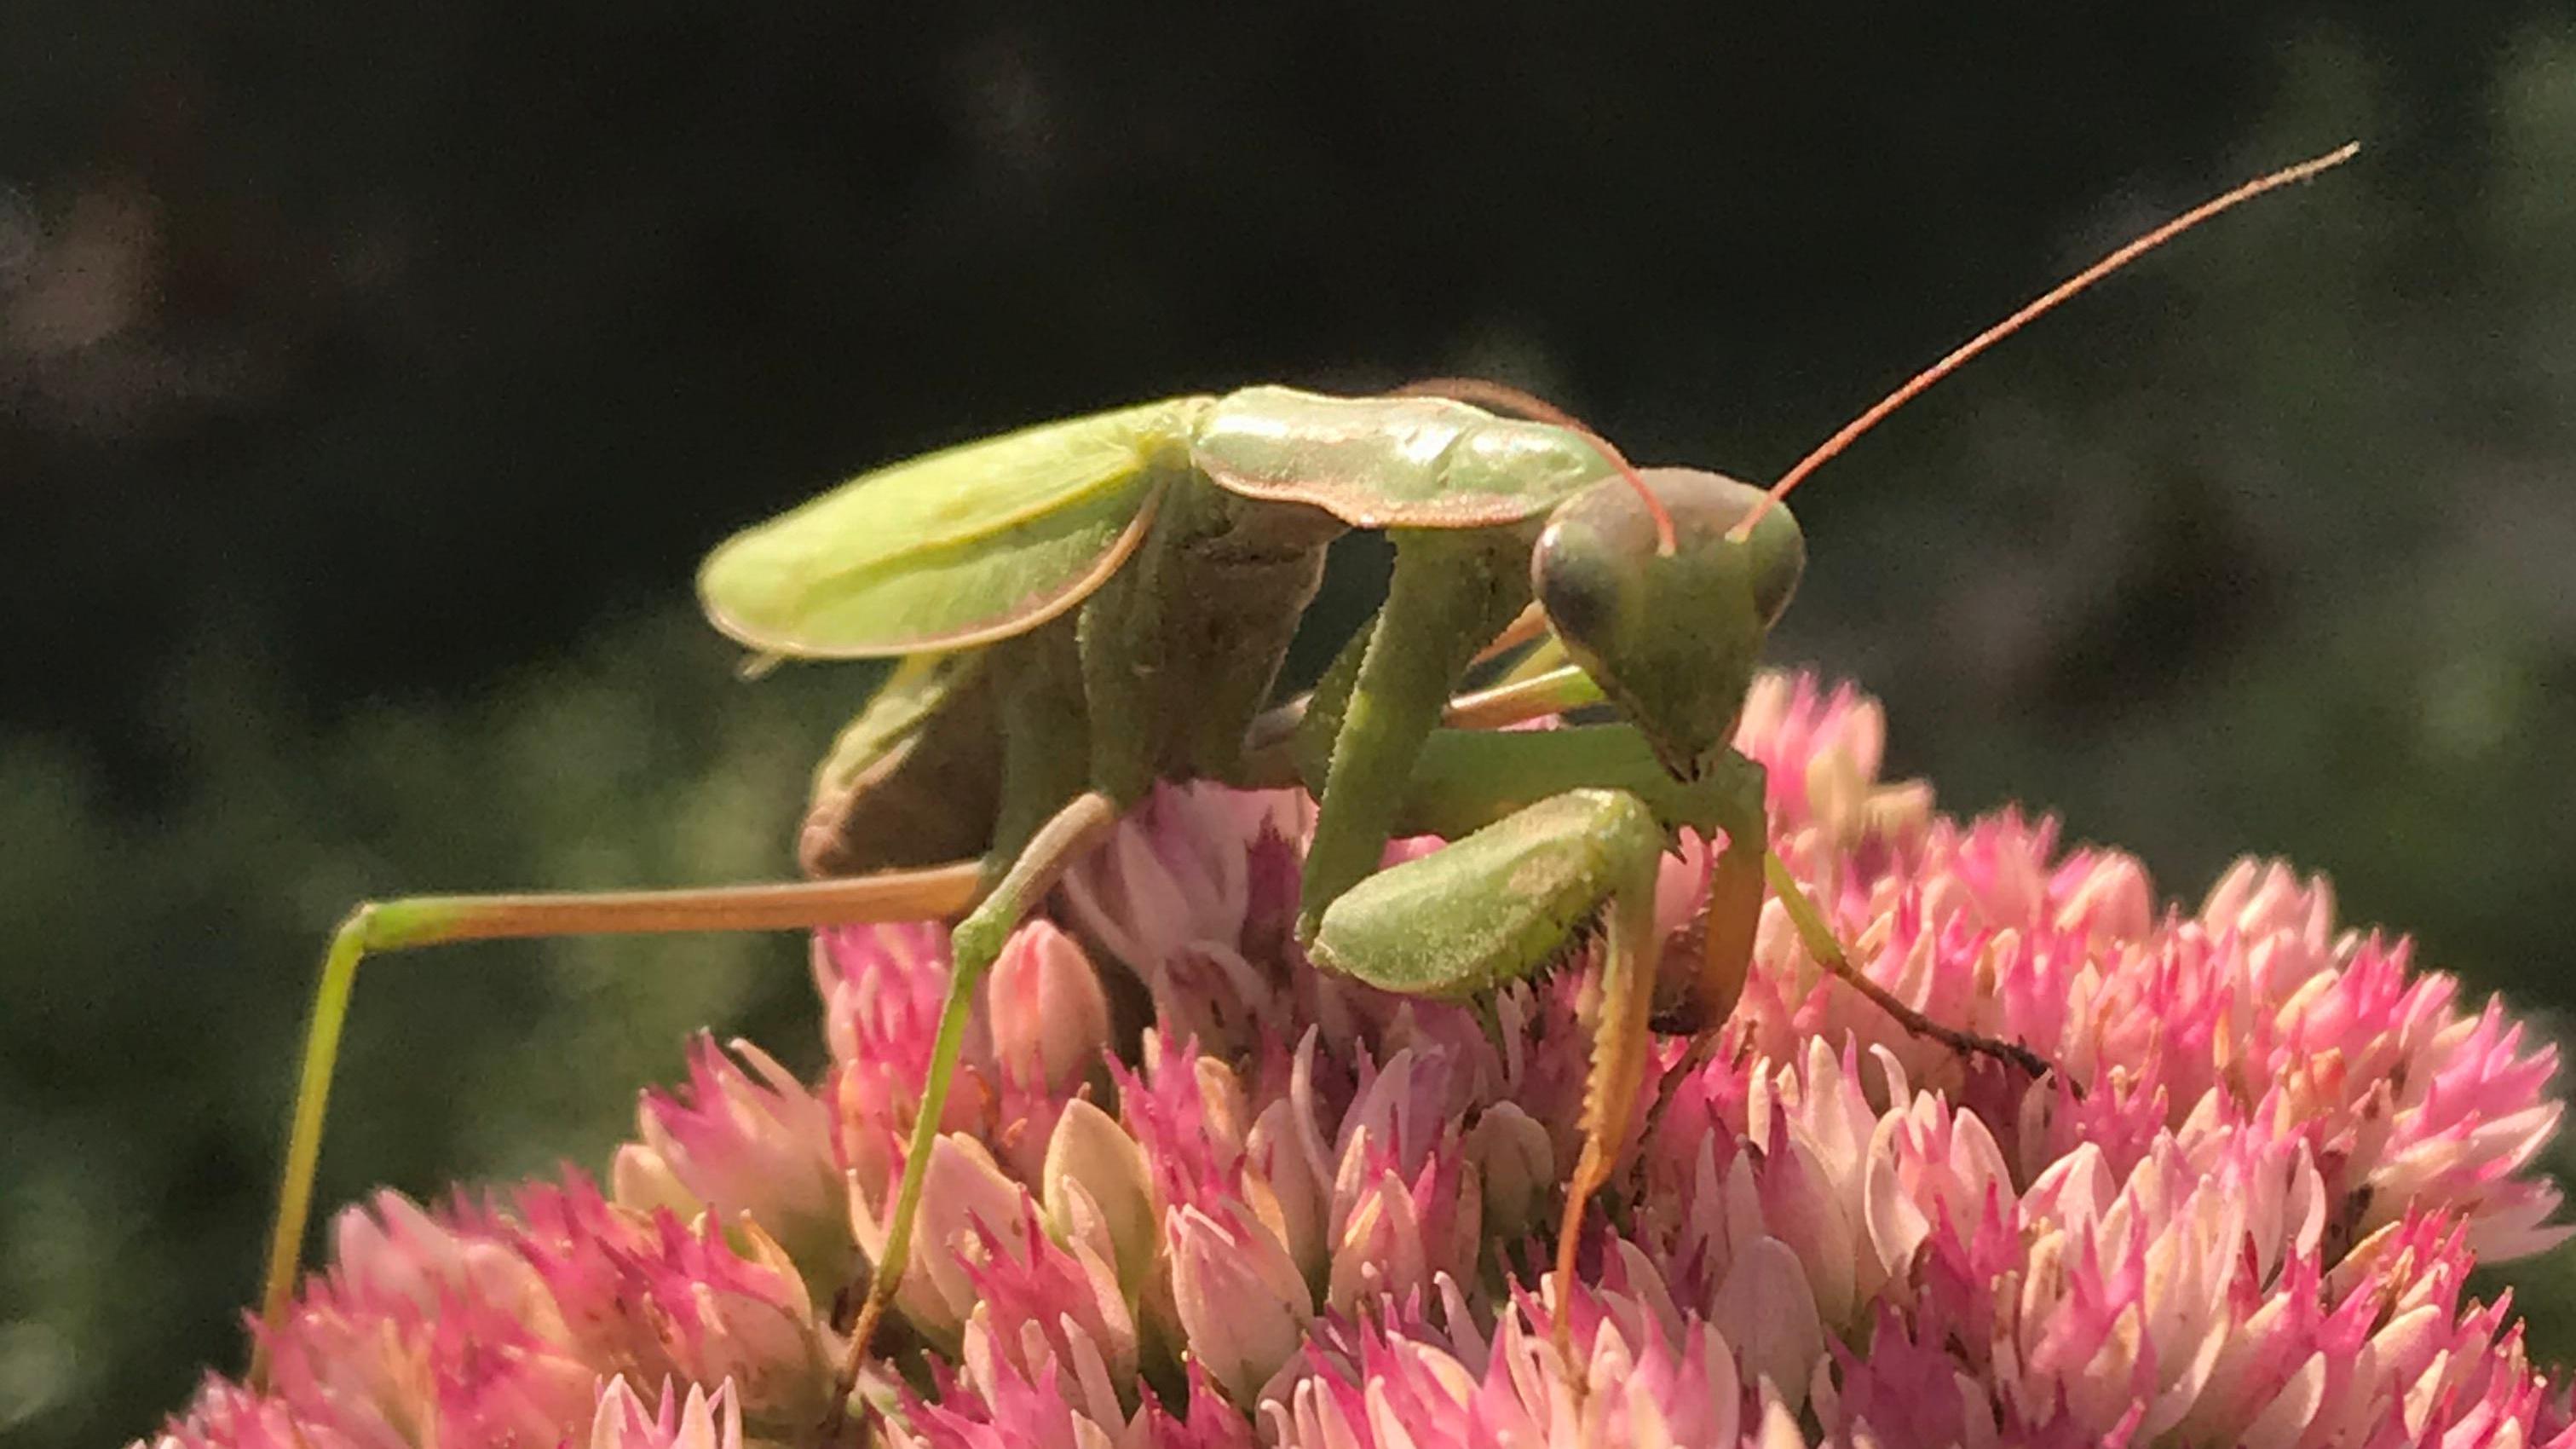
371,378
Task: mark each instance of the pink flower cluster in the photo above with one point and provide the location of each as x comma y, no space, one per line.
1293,1211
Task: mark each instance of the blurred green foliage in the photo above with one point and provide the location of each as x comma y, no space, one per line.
363,371
156,962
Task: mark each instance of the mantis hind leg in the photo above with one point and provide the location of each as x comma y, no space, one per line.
417,921
974,945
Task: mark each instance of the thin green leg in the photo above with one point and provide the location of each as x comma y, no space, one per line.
435,920
974,946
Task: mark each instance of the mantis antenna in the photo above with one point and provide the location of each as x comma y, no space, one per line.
2030,310
1504,396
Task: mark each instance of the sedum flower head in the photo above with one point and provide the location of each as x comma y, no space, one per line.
1298,1212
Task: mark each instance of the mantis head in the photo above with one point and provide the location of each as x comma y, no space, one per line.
1671,637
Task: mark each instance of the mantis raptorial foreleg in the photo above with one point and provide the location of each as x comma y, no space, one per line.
1450,592
1523,879
1464,780
1504,902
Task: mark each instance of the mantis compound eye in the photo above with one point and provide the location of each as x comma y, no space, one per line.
1671,638
1779,552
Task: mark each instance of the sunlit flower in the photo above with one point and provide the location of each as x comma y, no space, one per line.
386,1372
701,1421
645,1295
969,1207
744,1139
1642,1377
1242,1303
227,1416
1050,1017
1301,1212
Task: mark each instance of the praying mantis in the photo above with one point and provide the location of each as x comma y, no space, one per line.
1080,610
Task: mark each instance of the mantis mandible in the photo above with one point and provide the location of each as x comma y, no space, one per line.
1084,608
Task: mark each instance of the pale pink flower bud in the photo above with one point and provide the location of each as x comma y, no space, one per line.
740,1139
1050,1018
1176,872
657,1297
390,1247
1095,1172
1514,1161
1207,992
1822,753
1223,1108
1242,1303
639,1178
1042,1303
965,1202
2262,898
1287,1159
1929,1165
2103,894
1768,1313
226,1416
749,1322
1813,1194
1379,1246
701,1421
1404,1110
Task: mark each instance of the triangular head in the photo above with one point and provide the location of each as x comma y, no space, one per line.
1672,638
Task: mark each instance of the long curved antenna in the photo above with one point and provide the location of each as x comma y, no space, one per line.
1484,392
2042,303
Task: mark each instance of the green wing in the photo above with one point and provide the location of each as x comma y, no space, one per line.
956,549
1392,462
915,779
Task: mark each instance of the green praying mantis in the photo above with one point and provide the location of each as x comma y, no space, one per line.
1085,608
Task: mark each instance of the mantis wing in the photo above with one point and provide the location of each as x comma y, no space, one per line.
915,779
953,550
1392,462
